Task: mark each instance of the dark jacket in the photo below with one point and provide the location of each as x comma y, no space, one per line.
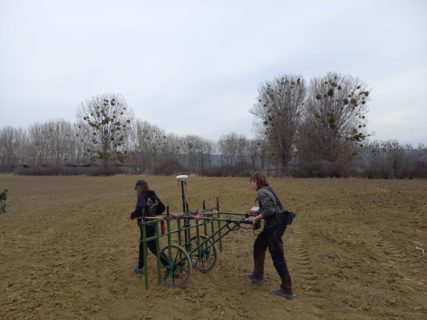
146,203
269,207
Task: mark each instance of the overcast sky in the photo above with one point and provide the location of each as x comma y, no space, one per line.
194,67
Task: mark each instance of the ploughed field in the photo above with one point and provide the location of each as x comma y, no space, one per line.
355,251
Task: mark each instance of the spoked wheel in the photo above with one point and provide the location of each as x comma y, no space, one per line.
203,253
179,269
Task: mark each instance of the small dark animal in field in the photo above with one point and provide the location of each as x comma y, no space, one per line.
3,198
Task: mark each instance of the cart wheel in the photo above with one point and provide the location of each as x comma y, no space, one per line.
203,253
179,270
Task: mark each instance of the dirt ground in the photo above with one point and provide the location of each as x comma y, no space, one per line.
355,251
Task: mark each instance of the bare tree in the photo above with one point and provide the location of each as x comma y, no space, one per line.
172,146
279,109
257,150
234,149
106,119
196,152
150,144
334,118
82,144
390,159
52,144
13,146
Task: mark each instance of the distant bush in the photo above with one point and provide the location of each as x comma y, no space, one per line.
238,170
49,171
323,169
167,167
69,171
389,159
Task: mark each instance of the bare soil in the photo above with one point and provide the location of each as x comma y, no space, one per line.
355,251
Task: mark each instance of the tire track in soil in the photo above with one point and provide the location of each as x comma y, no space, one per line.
404,265
392,251
405,272
306,270
306,278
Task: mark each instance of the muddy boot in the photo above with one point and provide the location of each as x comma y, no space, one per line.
285,289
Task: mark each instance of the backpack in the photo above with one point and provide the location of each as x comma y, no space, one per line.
284,215
154,206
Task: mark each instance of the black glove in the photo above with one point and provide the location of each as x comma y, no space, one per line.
135,214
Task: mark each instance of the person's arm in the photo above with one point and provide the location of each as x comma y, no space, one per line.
139,208
267,205
137,213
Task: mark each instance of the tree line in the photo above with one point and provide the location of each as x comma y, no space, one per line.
315,129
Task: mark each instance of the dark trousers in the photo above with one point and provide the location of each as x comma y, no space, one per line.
150,232
271,239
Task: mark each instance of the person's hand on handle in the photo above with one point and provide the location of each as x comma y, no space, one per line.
256,218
